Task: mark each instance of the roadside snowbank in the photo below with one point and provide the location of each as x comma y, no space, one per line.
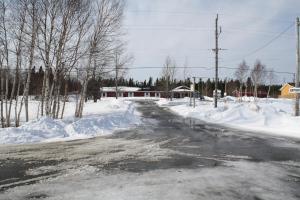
99,118
273,116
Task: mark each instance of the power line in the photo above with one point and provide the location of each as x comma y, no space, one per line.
196,28
208,13
266,44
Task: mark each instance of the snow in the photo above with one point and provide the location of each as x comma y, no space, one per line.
101,118
272,116
182,89
120,88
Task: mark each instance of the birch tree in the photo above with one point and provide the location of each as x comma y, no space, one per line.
120,61
105,32
49,10
241,75
168,74
2,88
5,53
271,77
258,75
18,34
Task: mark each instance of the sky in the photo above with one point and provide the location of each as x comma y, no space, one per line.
184,30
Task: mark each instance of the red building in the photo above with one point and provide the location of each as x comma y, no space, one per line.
129,92
178,92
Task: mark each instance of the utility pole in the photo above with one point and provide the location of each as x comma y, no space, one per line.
216,50
194,91
116,75
297,69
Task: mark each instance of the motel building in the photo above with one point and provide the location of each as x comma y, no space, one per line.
179,92
129,92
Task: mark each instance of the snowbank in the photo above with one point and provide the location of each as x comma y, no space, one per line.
265,115
99,118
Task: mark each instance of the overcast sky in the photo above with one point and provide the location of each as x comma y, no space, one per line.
184,30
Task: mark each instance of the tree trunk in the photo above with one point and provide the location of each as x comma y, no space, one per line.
6,96
2,98
58,100
255,91
269,89
52,95
17,120
43,94
82,99
13,90
65,99
47,93
241,93
26,94
31,57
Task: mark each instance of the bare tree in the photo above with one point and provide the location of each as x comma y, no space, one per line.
120,61
241,75
5,48
271,77
258,75
2,88
32,7
19,20
49,11
104,33
61,34
168,74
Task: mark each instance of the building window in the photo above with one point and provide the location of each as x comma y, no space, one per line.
103,94
147,94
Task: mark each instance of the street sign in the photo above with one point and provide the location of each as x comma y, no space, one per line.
295,90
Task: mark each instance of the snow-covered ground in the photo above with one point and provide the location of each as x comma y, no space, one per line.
99,118
273,116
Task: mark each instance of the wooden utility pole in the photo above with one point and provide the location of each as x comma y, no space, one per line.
297,69
194,93
216,50
116,75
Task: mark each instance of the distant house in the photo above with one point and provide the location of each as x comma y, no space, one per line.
181,92
178,92
260,94
129,92
285,91
219,93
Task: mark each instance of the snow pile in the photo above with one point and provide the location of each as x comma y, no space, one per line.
99,118
267,115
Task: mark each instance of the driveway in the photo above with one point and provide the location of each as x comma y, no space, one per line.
166,157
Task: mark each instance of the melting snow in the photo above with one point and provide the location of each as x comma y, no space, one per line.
273,116
100,118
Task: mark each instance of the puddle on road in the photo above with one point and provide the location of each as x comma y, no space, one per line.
236,180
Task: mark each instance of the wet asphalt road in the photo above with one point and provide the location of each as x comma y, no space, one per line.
197,145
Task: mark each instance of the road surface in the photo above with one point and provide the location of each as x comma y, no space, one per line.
166,157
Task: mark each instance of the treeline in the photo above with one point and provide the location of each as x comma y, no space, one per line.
205,87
